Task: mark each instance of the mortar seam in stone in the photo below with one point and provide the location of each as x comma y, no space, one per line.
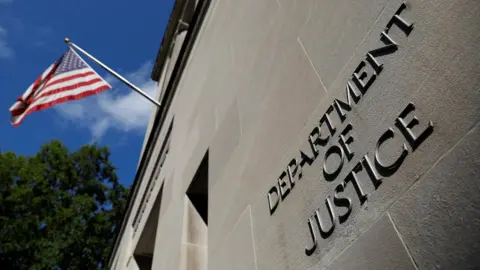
403,242
419,179
253,237
191,244
436,163
353,241
219,242
222,170
360,44
286,151
311,64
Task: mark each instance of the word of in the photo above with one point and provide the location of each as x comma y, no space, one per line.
375,172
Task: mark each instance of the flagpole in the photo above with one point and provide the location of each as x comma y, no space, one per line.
118,76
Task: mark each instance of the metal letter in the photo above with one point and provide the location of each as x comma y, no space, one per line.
352,176
326,233
342,202
315,140
404,25
387,170
372,173
309,251
291,173
326,117
340,105
269,198
282,184
334,149
346,142
358,79
406,129
305,159
390,47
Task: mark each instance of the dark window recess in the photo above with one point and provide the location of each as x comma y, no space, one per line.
144,262
197,192
145,247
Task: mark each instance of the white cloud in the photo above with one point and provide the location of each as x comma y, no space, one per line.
100,127
73,110
5,50
119,109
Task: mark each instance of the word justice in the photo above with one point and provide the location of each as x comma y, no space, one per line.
356,87
374,171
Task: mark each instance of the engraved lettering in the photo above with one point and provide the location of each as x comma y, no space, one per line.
273,206
323,232
403,24
375,168
315,140
309,250
377,67
292,172
362,80
406,129
345,142
342,106
342,202
334,149
305,159
352,177
372,173
326,119
388,170
283,186
389,48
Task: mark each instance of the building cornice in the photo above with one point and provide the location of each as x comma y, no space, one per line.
168,38
193,29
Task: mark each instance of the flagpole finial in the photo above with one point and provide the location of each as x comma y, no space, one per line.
67,40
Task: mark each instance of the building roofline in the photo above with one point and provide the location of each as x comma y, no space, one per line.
161,113
168,37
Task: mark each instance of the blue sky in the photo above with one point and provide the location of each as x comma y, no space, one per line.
124,34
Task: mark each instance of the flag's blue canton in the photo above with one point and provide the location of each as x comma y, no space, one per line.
69,62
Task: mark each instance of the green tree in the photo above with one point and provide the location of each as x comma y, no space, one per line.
59,209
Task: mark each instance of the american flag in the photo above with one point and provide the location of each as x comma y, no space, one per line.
69,78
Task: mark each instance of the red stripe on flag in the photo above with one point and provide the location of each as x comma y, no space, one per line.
68,88
61,100
35,88
88,73
18,111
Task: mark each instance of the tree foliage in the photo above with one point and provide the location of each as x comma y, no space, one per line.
58,209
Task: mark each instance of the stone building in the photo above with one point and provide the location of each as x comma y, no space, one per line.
311,134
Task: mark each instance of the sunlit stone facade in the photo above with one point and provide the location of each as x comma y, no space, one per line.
311,134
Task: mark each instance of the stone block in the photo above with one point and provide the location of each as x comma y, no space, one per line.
439,216
223,144
406,77
195,150
195,231
169,236
223,193
193,257
280,117
242,257
333,31
380,247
